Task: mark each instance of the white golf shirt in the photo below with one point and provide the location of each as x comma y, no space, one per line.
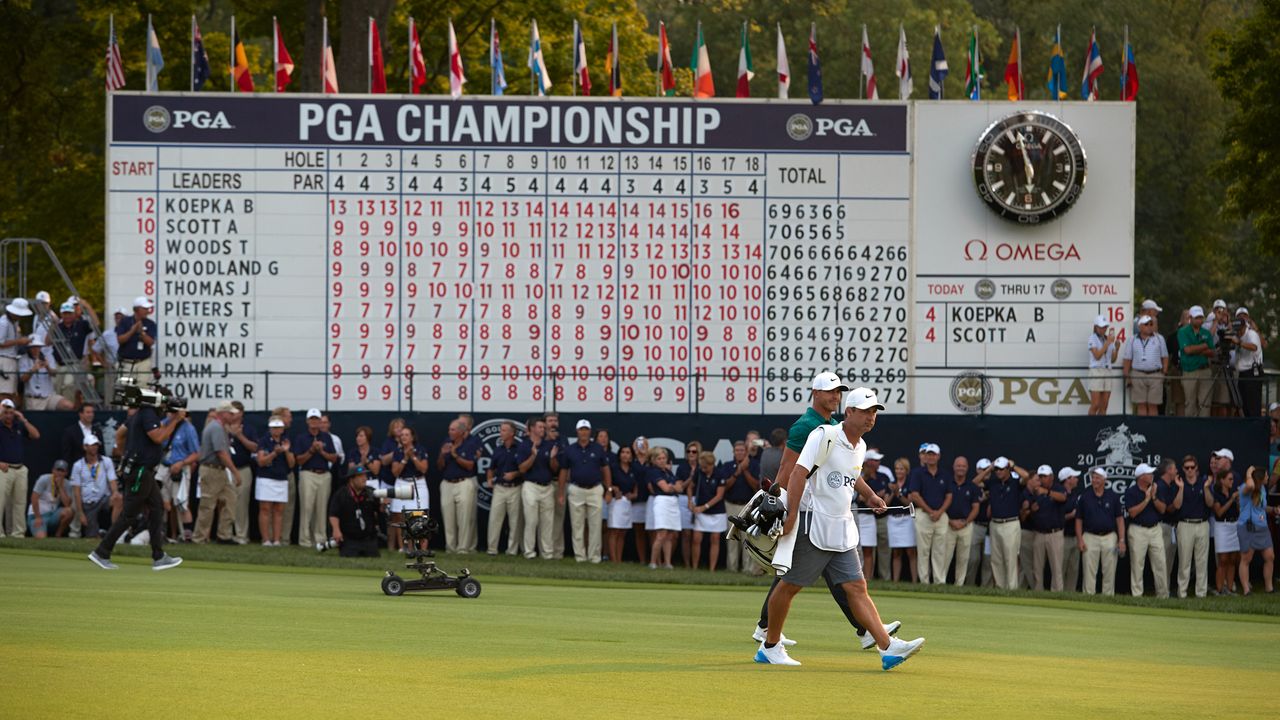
830,492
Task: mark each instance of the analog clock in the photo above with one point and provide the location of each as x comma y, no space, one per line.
1029,167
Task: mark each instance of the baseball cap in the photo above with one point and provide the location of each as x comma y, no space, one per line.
1067,472
1219,304
60,465
314,413
1150,304
142,302
1001,462
931,448
862,399
1196,311
7,403
43,297
1101,321
1143,469
37,340
275,422
874,455
67,307
122,310
1044,470
92,439
225,406
1224,452
1242,310
1101,472
983,464
584,423
827,380
1144,320
1273,406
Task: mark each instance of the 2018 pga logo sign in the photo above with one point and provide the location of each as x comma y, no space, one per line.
157,119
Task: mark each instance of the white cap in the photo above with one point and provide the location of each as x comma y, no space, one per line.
1001,462
275,422
67,307
1044,470
1101,321
74,299
92,439
1099,471
1145,320
7,403
827,380
1151,305
1143,469
122,310
862,399
1226,454
43,297
584,423
874,455
37,340
983,464
1067,472
1242,310
1273,406
1219,304
313,413
1196,311
19,307
143,302
931,448
226,406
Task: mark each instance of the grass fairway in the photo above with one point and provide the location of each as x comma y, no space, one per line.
220,640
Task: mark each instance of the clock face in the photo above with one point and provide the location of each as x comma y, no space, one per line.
1029,167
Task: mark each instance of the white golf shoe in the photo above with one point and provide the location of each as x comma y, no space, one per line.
891,629
776,655
759,634
898,652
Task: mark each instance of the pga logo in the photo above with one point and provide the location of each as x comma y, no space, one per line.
157,119
843,127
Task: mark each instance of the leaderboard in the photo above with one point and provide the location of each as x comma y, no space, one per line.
495,255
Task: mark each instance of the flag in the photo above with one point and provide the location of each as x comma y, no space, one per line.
456,78
418,66
815,67
581,72
1092,69
328,73
1057,69
938,67
377,73
903,69
784,67
868,70
199,58
115,68
746,70
155,61
1128,71
495,60
281,61
240,76
704,85
973,69
1013,69
666,76
614,62
537,65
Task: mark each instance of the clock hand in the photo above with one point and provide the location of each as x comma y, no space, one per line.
1026,164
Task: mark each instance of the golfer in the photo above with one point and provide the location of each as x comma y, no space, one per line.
827,391
820,525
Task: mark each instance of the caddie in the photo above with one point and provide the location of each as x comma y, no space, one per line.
820,534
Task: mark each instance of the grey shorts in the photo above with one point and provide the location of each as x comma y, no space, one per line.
808,562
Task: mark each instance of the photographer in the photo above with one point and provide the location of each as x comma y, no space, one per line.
145,445
37,383
353,513
1103,351
1248,363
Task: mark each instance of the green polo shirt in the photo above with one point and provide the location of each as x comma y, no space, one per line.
801,428
1187,336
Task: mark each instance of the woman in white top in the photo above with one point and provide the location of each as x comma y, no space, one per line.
1103,349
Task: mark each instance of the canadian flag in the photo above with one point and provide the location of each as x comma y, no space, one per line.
456,78
868,70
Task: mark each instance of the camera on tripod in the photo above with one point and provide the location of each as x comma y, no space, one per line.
128,393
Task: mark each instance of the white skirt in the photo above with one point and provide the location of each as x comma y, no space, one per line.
271,490
1225,538
686,515
866,529
902,531
666,512
422,501
648,515
639,511
619,514
706,522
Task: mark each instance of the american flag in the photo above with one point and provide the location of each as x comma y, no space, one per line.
115,68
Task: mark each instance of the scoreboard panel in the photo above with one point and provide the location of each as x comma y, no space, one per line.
518,255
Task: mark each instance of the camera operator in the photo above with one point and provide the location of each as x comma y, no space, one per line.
353,516
145,446
1248,363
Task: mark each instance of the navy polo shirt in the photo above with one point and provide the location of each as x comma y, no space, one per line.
654,476
933,488
584,464
626,480
135,349
468,449
410,470
1219,497
879,485
1070,506
138,443
963,497
389,446
1027,499
502,461
240,455
1165,493
75,333
1005,497
1099,514
705,488
641,473
540,471
1193,506
13,442
1133,497
279,467
1047,513
315,463
740,492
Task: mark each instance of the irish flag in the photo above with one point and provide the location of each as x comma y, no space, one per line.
745,68
703,85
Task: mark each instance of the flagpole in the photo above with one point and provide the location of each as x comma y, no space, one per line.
658,67
111,25
1124,66
862,78
324,62
193,52
573,77
368,70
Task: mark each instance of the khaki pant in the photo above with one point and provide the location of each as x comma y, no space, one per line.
539,513
505,505
140,370
931,540
1006,540
557,531
1168,535
215,490
977,541
1099,550
1197,388
884,553
313,507
286,525
1026,552
956,545
64,379
1070,564
14,495
1047,545
738,561
244,493
585,504
1146,543
1193,543
458,505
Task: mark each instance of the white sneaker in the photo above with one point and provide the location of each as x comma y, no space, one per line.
759,636
776,655
104,563
898,652
891,629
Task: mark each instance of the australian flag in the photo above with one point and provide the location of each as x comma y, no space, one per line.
199,58
815,69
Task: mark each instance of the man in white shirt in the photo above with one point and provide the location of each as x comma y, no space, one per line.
1248,363
94,487
1146,360
35,369
1103,350
820,525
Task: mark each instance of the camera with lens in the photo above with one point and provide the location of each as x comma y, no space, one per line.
395,493
128,393
1228,339
418,525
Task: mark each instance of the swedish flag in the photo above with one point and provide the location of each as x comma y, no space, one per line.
1057,69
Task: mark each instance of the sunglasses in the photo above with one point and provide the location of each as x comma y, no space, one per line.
1188,467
